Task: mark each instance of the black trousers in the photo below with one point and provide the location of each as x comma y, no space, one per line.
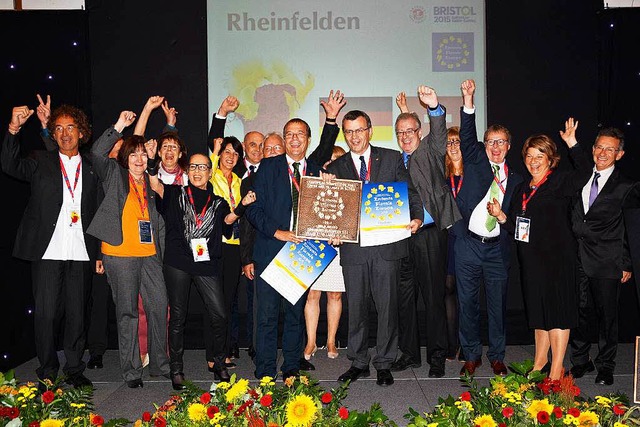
602,295
61,291
210,290
424,270
98,317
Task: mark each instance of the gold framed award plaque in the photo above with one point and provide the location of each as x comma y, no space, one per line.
329,209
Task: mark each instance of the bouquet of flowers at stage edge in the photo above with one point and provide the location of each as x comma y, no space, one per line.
296,402
527,398
24,405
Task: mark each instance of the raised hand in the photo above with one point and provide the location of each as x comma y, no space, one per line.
569,134
401,102
249,198
334,104
229,105
125,119
153,102
468,88
44,110
217,143
170,113
428,96
19,116
151,147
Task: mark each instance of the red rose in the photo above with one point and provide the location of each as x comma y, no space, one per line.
618,409
557,411
160,422
14,412
229,407
48,396
253,393
146,417
34,424
466,396
574,412
507,412
343,413
266,400
543,417
212,411
327,397
502,425
205,398
97,420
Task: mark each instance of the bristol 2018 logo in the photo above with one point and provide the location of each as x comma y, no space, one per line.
417,14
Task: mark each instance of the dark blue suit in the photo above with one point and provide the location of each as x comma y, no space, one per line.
476,260
271,212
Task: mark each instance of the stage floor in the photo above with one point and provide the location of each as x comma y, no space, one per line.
412,388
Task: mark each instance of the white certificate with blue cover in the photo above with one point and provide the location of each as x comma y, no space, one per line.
297,266
384,213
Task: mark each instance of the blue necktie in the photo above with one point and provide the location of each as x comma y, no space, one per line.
593,193
363,170
406,159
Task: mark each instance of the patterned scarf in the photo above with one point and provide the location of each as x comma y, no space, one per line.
191,231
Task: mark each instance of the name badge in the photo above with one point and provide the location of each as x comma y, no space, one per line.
144,231
73,214
523,228
200,250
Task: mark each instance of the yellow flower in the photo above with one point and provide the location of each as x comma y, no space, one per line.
499,389
515,398
289,381
217,418
432,425
604,401
197,412
5,389
485,421
588,419
223,385
301,411
52,423
138,423
539,405
78,405
619,424
464,405
237,390
266,381
304,380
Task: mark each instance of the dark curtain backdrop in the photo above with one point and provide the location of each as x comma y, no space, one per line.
546,61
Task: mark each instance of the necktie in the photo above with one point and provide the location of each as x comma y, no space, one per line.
295,194
252,169
406,160
363,169
494,193
594,188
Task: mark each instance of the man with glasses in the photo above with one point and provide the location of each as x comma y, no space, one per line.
52,236
425,267
482,247
372,271
603,250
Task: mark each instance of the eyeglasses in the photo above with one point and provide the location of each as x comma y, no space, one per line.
170,147
300,134
408,132
350,132
453,143
200,167
69,128
498,142
608,150
273,149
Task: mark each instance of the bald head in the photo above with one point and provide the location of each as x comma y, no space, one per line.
252,146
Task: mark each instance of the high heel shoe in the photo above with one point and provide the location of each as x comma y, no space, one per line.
331,354
309,356
220,372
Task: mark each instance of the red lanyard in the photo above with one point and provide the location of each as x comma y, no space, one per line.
293,178
368,177
232,199
497,180
525,200
199,216
66,178
455,190
143,204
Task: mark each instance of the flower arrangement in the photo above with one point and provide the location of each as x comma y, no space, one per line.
25,405
527,398
299,402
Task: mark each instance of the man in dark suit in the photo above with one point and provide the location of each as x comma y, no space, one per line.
603,250
425,267
52,236
276,185
372,271
482,248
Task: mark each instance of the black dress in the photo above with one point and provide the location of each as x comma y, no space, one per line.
548,262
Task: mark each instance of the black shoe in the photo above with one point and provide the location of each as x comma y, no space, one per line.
384,377
546,369
404,363
305,365
353,374
177,379
137,383
292,373
604,377
235,352
229,365
578,371
436,370
78,381
95,362
251,352
220,373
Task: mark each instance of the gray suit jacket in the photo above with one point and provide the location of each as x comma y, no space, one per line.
426,168
107,222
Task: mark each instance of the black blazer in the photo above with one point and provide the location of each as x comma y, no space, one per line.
602,239
386,166
41,214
